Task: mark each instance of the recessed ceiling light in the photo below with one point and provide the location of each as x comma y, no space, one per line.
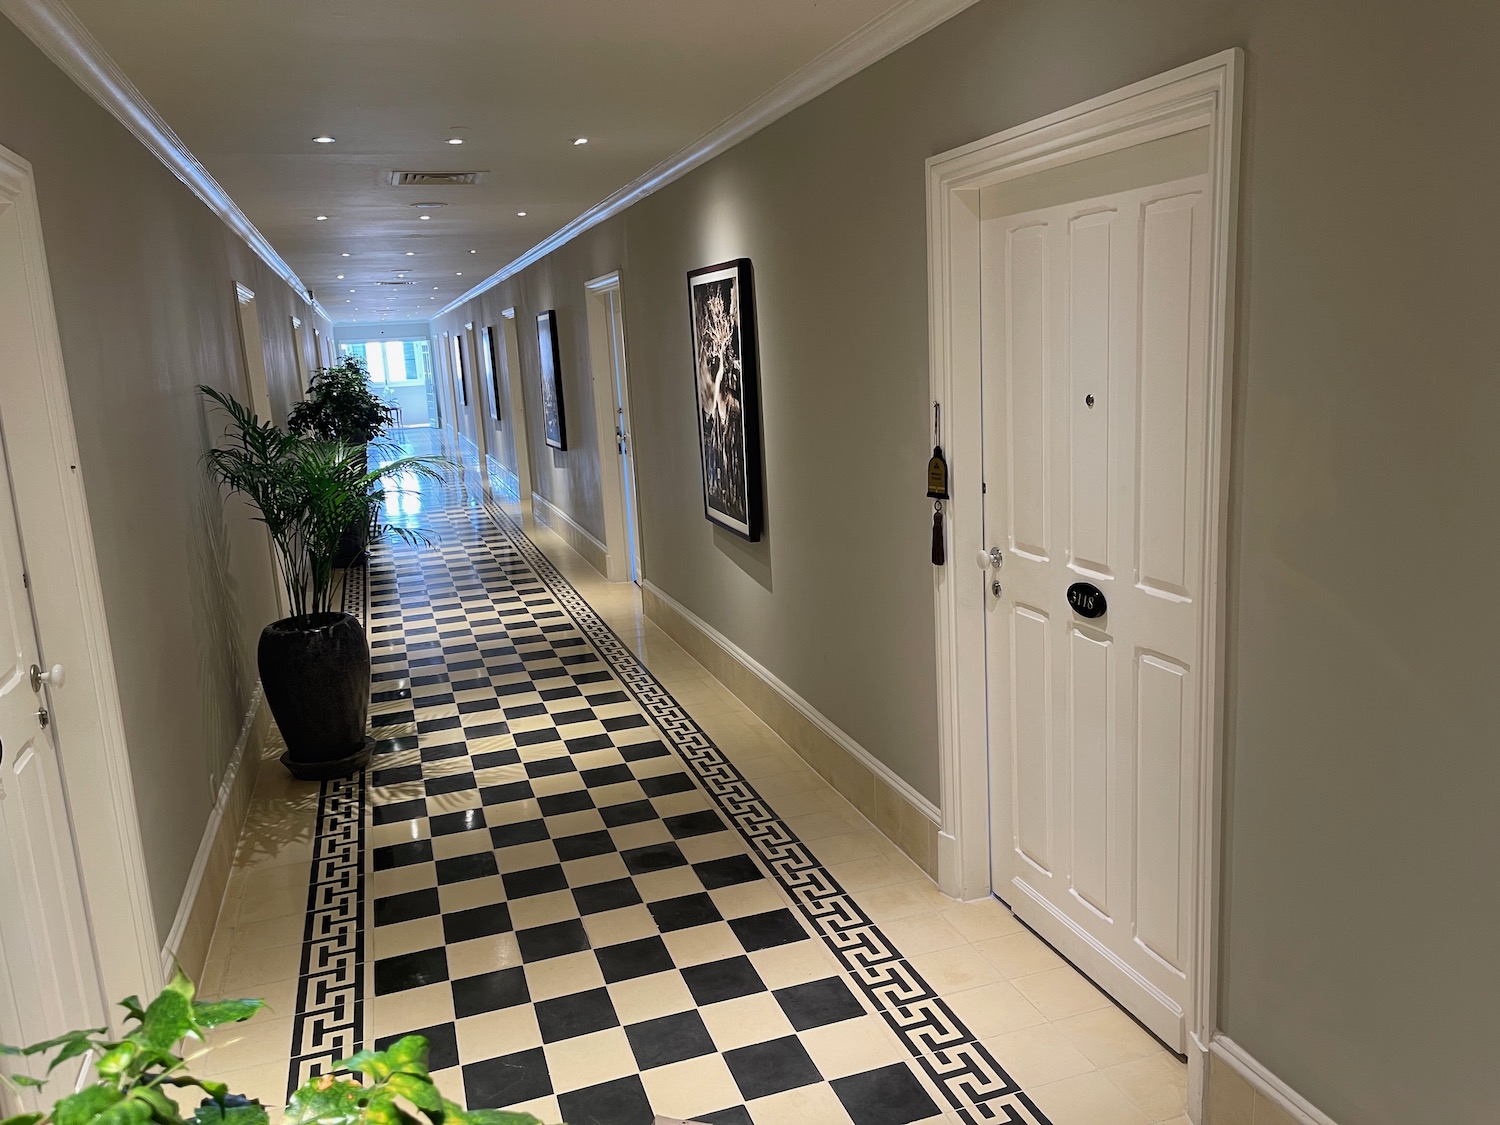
473,251
341,277
455,140
411,253
459,274
434,286
325,139
345,254
321,218
580,141
424,218
520,214
351,290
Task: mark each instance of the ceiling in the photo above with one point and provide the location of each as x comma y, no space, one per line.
247,84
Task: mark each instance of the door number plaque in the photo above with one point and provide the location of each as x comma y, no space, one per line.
1087,599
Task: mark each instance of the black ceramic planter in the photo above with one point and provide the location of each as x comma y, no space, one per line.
316,674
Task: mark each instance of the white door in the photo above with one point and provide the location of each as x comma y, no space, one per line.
48,980
1094,287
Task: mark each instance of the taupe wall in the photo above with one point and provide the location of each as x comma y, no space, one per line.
567,478
143,277
1360,915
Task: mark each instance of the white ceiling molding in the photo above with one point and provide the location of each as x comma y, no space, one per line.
53,27
878,38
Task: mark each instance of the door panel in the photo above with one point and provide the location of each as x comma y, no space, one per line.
1093,314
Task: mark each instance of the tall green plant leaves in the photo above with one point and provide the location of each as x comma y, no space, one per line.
308,492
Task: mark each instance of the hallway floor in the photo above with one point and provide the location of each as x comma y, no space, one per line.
605,891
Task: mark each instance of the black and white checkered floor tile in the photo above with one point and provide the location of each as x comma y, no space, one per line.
551,872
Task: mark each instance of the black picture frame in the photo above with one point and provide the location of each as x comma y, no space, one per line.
554,414
726,386
460,376
491,350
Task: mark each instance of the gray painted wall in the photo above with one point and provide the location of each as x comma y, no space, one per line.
143,278
1359,917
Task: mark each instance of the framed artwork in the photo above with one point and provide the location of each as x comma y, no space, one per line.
460,377
492,369
726,377
554,418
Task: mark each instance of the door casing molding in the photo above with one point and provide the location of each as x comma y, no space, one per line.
68,597
1205,94
603,341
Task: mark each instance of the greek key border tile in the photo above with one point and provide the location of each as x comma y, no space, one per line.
329,1023
978,1089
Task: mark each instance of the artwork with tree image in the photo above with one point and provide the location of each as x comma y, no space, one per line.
554,418
725,377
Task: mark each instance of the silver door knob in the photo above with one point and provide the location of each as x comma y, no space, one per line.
991,558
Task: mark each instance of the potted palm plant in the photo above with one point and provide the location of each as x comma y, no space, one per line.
315,663
341,407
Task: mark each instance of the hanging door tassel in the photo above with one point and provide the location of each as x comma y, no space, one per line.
937,535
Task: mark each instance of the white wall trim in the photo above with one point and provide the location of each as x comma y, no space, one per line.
869,44
578,537
503,481
1201,94
63,38
68,599
1271,1087
808,711
189,902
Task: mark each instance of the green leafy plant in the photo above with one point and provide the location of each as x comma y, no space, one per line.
134,1073
340,405
308,491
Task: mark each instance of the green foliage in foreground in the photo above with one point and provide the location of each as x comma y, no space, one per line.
133,1074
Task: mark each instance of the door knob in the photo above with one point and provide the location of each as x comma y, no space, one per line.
54,676
994,557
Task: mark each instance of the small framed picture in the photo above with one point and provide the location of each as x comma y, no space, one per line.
460,377
554,417
726,378
490,349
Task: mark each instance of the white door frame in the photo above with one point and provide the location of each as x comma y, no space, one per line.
606,352
478,396
299,346
510,362
1202,94
68,600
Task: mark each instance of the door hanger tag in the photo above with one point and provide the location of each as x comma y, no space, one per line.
937,465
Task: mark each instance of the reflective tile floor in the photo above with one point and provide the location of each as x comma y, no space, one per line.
605,891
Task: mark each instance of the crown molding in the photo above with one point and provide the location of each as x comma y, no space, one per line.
871,43
57,31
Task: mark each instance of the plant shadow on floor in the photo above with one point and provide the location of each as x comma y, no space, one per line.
135,1077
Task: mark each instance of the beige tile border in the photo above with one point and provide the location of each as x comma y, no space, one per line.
198,915
891,805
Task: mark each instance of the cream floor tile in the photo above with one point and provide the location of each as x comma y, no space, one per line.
842,849
1087,1099
901,900
265,1082
646,998
1109,1037
994,1009
863,874
252,1043
249,968
807,1104
757,1018
922,933
257,905
412,1007
1060,993
281,930
852,1046
955,970
686,1089
1156,1084
588,1060
492,1034
1035,1056
982,920
561,976
1020,954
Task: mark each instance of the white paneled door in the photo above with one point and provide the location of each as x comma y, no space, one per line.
1094,288
49,982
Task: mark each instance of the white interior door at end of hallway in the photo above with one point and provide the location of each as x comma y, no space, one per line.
50,982
1094,364
625,435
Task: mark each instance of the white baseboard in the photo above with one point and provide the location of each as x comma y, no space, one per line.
1266,1084
808,711
236,774
577,537
504,484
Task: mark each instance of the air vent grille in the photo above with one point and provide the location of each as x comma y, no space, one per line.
395,283
434,179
